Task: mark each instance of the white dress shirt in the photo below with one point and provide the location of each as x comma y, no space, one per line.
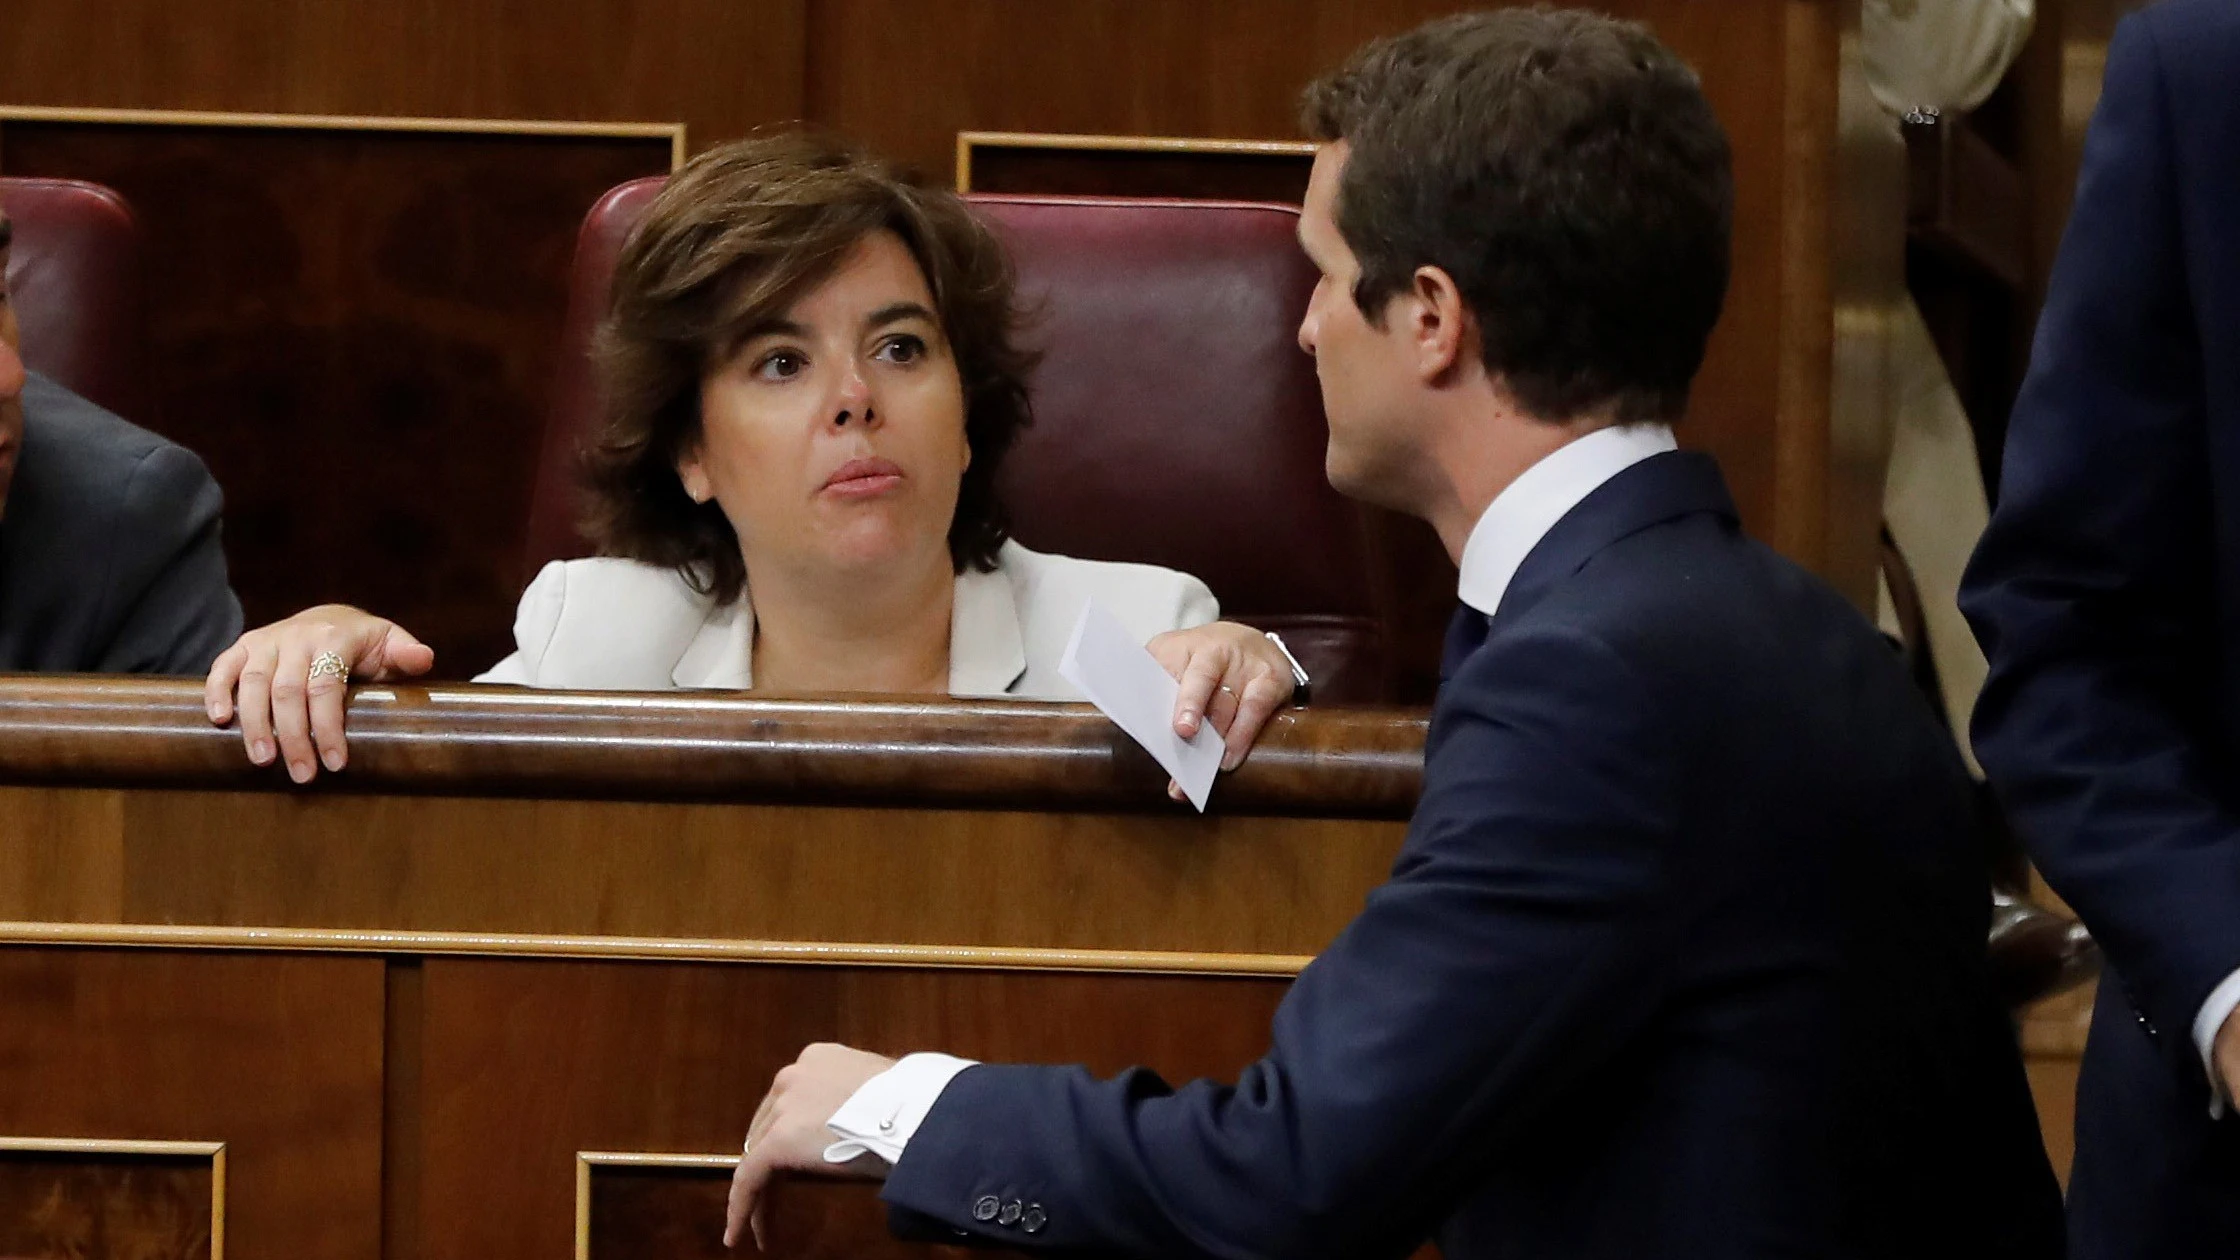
881,1117
1521,515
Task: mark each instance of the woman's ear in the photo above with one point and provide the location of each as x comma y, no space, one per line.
694,474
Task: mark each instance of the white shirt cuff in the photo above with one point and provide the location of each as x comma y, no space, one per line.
880,1118
2206,1026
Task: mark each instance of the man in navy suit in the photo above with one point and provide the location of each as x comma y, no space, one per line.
1684,953
2106,593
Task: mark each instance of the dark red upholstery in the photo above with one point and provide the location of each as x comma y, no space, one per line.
75,279
574,414
1176,420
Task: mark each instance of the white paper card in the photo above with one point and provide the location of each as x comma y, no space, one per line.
1123,679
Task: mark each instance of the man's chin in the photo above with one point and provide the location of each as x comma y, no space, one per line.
1365,483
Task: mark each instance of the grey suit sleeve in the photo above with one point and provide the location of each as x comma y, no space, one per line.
178,611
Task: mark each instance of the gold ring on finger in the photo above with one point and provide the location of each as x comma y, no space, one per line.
329,664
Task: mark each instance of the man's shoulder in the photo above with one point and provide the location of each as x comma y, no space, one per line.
2190,21
79,453
2194,47
1694,604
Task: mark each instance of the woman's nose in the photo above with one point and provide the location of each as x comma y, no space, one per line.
854,400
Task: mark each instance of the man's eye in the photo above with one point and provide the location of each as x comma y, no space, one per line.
902,348
779,365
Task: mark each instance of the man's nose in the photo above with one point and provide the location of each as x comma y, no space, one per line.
1306,332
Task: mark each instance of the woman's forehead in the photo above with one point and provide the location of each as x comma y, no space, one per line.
877,271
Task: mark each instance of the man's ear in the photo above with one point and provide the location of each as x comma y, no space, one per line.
1438,323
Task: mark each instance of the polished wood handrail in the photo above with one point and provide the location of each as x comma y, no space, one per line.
502,741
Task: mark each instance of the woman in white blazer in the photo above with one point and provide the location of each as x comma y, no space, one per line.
810,379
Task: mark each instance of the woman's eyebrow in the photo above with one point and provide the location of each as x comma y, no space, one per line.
895,312
771,328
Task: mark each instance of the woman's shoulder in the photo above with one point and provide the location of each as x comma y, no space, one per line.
602,622
1148,598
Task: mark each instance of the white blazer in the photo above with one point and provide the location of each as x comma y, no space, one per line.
621,625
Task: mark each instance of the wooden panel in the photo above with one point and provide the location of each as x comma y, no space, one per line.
278,1057
699,872
94,1203
720,66
62,858
647,1212
356,331
1133,166
528,1063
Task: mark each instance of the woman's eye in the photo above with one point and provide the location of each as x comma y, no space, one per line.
902,349
780,365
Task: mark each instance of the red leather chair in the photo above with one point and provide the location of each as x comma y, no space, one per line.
1176,421
74,277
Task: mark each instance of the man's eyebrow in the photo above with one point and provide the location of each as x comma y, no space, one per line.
895,312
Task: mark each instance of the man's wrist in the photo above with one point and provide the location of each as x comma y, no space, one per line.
881,1117
2216,1035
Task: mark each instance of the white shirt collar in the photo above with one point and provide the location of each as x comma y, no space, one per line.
1521,515
986,648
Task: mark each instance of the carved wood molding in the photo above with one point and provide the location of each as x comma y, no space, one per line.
796,953
140,1148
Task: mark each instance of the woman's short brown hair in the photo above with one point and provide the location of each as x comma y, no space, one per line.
734,238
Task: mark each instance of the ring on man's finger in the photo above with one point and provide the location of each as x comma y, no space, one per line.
329,664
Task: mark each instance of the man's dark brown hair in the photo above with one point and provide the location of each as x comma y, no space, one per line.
732,240
1565,169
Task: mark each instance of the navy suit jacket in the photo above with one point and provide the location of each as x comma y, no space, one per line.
110,557
1683,956
2106,593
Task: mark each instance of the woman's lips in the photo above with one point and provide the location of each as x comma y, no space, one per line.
863,478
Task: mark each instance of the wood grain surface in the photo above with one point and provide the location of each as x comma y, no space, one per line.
277,1056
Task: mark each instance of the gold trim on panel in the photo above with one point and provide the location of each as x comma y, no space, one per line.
967,141
585,1160
806,953
215,1152
673,132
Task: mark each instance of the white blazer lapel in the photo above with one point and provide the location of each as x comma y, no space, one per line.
987,652
721,655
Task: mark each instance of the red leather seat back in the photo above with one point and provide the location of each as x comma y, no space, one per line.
574,416
1176,420
74,276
